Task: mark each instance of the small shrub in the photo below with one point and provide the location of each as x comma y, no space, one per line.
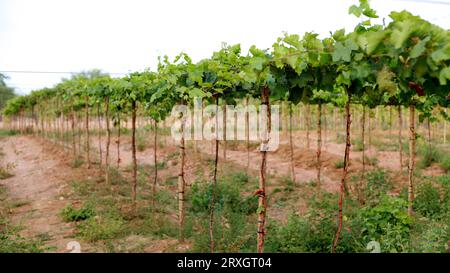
71,214
432,237
428,156
100,228
11,242
429,202
313,233
239,177
288,184
358,145
339,164
291,237
378,184
77,162
227,196
141,144
372,161
340,138
387,223
445,162
233,232
7,133
172,155
6,172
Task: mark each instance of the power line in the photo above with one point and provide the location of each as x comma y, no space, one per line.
427,2
54,72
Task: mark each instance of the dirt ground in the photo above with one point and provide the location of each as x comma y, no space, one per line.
40,185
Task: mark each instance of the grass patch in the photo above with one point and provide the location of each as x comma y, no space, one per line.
71,214
339,164
7,133
18,203
288,184
99,228
6,172
428,155
141,143
378,184
372,161
340,138
77,162
358,145
12,242
10,239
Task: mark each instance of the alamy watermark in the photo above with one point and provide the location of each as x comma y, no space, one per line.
211,124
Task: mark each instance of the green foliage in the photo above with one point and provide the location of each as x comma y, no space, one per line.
233,232
340,138
100,228
363,9
233,229
358,145
77,162
432,201
339,164
141,142
10,239
7,133
387,223
11,242
445,162
5,173
6,93
289,238
71,214
378,184
373,161
428,156
315,231
289,185
227,197
431,237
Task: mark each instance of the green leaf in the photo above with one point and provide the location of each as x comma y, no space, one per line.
371,13
293,40
351,44
401,33
370,40
366,23
260,209
256,52
441,54
359,56
248,76
257,63
267,76
196,76
444,76
355,10
197,93
419,48
339,35
341,52
292,61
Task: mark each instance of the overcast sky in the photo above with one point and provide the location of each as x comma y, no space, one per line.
119,36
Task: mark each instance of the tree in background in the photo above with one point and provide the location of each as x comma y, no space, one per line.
6,93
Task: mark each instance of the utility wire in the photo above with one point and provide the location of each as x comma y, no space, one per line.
54,72
427,2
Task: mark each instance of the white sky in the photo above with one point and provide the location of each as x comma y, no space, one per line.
119,36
